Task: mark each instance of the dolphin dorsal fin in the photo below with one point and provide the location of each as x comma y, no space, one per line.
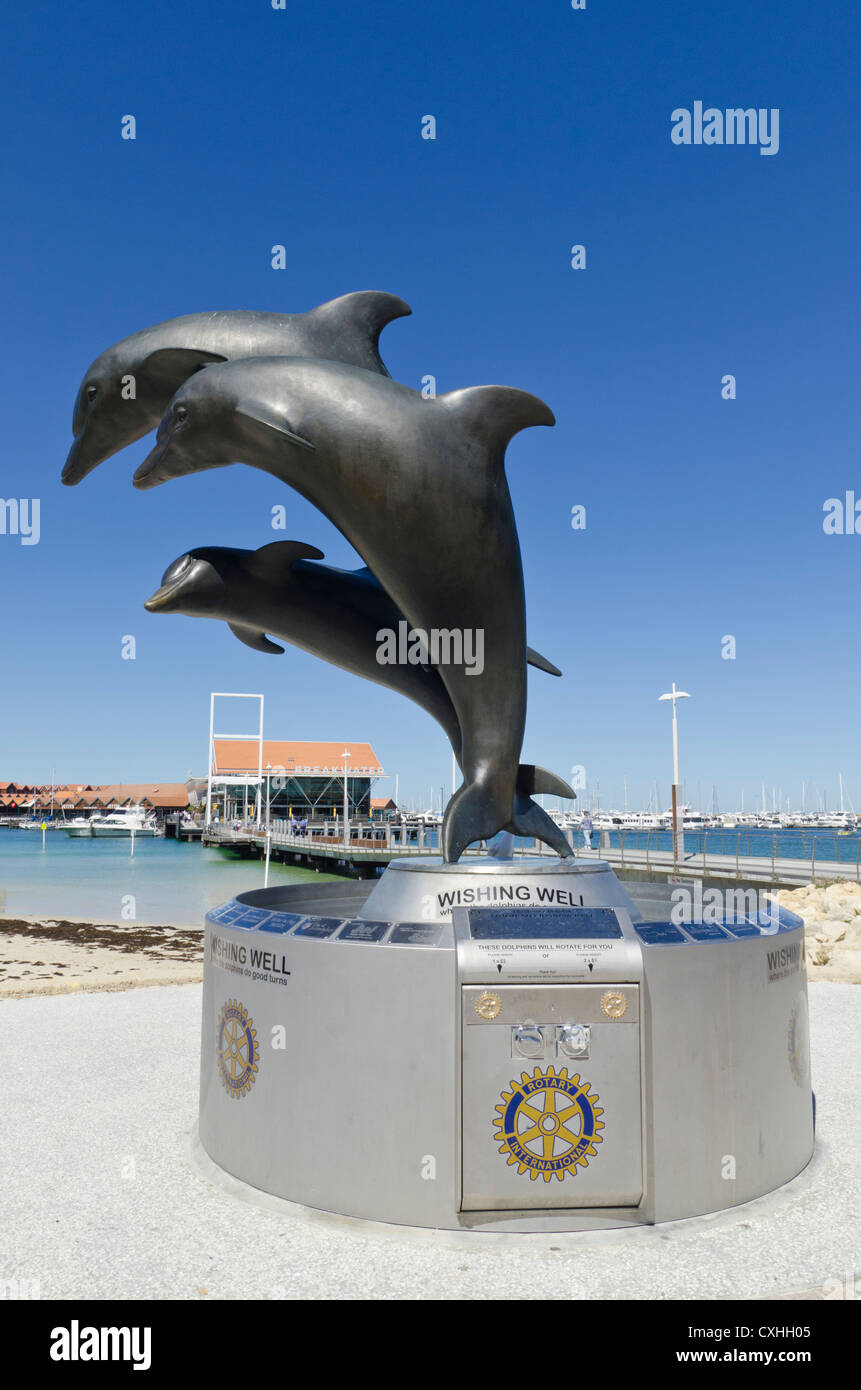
362,316
254,637
495,414
535,658
275,560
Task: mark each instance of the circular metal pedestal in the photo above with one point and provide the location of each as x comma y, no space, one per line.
503,1046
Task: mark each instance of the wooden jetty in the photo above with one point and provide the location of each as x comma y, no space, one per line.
371,847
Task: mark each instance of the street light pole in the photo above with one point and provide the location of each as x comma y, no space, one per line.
678,836
345,755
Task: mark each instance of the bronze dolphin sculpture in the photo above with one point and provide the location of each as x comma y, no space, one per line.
334,614
127,389
418,487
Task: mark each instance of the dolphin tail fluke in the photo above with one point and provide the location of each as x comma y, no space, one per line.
530,821
471,815
535,658
532,781
493,415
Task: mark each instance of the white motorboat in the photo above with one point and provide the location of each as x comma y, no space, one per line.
121,823
79,828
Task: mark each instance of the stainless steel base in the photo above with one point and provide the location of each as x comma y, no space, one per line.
355,1066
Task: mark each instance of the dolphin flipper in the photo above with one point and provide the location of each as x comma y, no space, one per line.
535,658
253,637
168,364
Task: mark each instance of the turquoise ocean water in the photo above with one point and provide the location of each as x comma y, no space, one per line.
172,884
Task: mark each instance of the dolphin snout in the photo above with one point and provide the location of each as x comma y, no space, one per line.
77,465
153,470
159,599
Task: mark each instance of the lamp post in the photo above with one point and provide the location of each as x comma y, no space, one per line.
674,695
268,828
345,755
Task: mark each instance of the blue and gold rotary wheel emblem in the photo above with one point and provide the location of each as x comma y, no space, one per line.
548,1125
237,1049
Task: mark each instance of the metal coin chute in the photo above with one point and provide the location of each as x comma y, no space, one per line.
527,1040
572,1039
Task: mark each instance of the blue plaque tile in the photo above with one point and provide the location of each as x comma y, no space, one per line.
660,934
742,928
789,921
359,930
282,922
216,914
415,934
320,927
252,918
543,924
227,915
705,931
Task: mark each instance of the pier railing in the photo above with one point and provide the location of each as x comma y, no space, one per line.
716,852
791,858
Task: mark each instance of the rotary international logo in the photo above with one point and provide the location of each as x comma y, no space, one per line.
548,1124
488,1005
237,1049
614,1004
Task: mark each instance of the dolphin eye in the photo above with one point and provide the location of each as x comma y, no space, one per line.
177,569
92,392
180,414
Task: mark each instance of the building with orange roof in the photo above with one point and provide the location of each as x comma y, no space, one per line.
299,779
18,800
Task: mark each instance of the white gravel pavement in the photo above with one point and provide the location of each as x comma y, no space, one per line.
101,1196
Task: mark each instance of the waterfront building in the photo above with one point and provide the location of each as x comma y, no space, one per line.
300,779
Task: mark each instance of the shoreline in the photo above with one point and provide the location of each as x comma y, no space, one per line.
46,955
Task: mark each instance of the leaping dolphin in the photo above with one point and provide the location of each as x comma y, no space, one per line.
418,487
153,363
334,614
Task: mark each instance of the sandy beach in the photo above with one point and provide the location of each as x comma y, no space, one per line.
44,956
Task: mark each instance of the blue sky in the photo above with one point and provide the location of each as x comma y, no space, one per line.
302,127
